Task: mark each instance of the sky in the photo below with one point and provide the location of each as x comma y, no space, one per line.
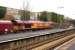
65,7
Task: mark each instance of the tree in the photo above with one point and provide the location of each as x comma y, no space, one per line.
57,17
61,18
25,15
2,11
53,16
43,16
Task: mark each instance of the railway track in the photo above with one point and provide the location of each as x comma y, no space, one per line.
32,41
53,42
51,45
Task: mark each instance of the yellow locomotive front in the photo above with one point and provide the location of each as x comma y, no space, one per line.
38,25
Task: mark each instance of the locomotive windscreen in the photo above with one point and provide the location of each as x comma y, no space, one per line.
14,22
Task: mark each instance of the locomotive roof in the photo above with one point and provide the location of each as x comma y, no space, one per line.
5,21
20,21
30,21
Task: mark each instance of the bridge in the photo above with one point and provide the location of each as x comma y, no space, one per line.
37,40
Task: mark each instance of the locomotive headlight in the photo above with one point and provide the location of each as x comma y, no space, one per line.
6,30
